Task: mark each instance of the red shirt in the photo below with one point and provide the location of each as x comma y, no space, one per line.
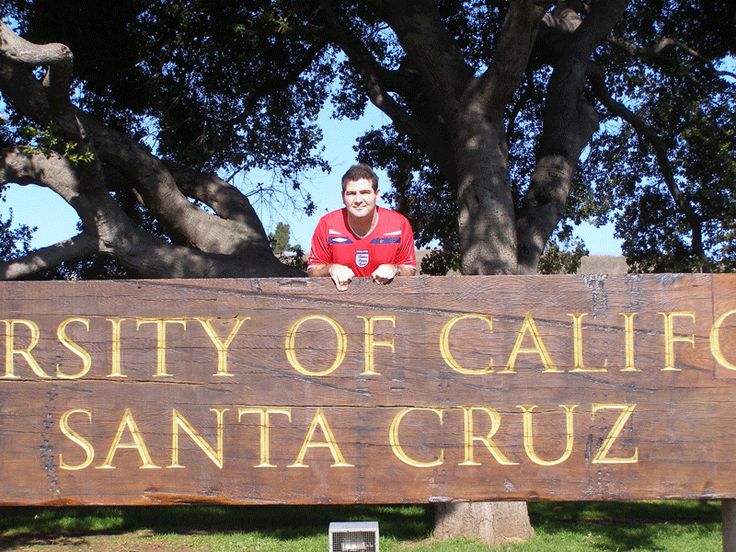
390,242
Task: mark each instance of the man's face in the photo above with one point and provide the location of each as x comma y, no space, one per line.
359,198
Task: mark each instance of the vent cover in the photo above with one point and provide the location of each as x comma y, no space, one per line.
354,536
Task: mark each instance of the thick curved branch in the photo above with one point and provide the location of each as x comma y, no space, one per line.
597,26
48,257
374,75
656,55
575,29
220,247
376,79
495,88
19,50
224,199
56,57
109,231
566,16
429,47
52,171
649,134
143,172
18,59
150,177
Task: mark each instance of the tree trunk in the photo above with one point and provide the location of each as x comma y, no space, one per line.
486,224
489,246
492,523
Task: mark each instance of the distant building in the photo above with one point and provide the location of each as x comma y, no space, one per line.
603,264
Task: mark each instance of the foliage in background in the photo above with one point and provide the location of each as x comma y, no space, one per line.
203,87
209,85
14,239
288,252
670,71
507,121
557,260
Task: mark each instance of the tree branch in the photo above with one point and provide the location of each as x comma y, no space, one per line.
109,231
56,56
707,62
596,26
226,200
656,54
144,172
18,59
429,48
269,84
524,97
648,133
48,257
495,88
51,171
234,247
375,78
150,177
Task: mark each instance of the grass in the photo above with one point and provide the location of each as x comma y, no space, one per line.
573,527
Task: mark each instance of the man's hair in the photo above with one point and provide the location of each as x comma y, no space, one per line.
359,172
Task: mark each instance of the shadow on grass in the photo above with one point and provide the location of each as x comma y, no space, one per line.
30,525
616,525
627,525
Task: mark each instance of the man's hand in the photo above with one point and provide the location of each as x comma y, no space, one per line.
385,273
341,275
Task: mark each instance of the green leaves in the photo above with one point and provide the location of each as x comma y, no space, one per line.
47,140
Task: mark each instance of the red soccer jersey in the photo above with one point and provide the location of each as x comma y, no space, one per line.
390,242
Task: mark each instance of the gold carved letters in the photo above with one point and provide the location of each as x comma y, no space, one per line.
22,352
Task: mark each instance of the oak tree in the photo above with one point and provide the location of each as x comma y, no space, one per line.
509,121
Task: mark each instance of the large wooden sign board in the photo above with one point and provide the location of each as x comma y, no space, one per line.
429,389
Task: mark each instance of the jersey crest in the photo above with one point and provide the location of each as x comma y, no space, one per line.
361,257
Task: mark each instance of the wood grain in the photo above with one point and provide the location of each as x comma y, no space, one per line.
653,371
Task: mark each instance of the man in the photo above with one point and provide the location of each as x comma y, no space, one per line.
362,239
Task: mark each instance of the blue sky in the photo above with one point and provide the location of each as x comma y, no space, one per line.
56,221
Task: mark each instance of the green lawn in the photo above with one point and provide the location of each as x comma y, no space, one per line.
577,526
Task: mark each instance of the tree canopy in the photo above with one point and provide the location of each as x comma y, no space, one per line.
510,121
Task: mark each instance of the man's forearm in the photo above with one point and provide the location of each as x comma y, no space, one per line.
319,270
324,270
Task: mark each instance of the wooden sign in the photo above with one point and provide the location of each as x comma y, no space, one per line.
428,389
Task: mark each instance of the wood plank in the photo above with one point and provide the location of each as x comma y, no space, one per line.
115,393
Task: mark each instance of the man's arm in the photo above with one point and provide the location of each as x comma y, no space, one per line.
318,270
385,273
340,274
404,262
407,270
